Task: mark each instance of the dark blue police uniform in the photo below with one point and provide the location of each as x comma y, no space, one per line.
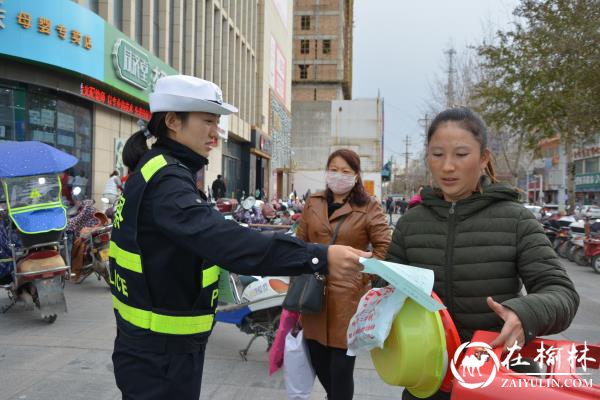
165,251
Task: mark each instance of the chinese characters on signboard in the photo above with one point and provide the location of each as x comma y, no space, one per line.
2,15
133,66
44,26
587,181
102,97
586,152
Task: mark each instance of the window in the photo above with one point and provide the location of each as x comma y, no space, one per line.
183,37
29,112
305,22
303,71
304,46
171,31
118,14
139,16
579,167
156,29
591,165
91,5
326,46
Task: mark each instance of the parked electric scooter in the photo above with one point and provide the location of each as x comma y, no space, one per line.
253,304
576,243
35,222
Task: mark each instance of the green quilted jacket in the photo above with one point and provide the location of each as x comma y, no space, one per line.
487,245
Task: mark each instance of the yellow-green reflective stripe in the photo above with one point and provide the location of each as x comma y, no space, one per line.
42,206
174,325
152,166
125,259
210,276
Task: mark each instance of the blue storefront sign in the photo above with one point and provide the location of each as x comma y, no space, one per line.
63,34
54,32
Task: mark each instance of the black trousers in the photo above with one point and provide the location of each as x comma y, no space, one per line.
439,395
144,375
334,369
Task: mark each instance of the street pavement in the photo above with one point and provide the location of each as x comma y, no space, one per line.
71,359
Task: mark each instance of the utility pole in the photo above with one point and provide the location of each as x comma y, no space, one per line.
451,71
406,155
425,122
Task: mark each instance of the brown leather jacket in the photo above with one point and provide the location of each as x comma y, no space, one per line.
362,226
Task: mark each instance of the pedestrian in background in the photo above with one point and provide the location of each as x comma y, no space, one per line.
219,189
112,188
389,207
346,208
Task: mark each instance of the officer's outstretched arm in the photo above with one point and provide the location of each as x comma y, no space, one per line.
183,216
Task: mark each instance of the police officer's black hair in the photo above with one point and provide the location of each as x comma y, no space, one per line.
136,146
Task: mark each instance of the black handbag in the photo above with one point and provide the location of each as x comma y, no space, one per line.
306,292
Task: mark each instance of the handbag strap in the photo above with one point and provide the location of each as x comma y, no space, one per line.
337,229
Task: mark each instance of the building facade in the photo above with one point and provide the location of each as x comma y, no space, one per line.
77,74
322,50
271,138
325,118
587,173
325,126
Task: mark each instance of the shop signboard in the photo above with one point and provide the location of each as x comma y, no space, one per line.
129,67
65,35
587,182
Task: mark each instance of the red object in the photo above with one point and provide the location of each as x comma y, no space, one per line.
591,248
506,385
414,201
287,321
452,343
66,189
100,96
227,205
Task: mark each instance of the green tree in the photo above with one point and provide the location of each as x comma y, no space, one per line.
542,78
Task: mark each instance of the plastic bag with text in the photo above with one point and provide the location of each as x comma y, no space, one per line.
372,322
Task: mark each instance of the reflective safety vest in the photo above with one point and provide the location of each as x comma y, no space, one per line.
130,294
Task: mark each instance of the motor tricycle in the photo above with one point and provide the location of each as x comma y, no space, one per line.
34,225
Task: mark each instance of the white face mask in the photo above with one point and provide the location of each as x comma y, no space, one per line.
340,183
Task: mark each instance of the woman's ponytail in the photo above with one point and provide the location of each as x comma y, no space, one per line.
136,146
134,149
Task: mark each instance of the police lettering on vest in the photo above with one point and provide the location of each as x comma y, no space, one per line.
130,295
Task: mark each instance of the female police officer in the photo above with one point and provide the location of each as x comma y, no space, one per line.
167,242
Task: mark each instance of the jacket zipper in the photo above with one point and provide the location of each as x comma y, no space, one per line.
449,257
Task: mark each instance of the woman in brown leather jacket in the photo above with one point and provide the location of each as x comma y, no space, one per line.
363,223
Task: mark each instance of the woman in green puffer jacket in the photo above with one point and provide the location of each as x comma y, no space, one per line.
481,243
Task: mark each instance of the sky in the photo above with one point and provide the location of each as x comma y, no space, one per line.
399,50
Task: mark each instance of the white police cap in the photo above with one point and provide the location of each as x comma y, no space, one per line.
188,93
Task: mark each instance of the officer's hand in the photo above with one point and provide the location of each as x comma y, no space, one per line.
343,262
